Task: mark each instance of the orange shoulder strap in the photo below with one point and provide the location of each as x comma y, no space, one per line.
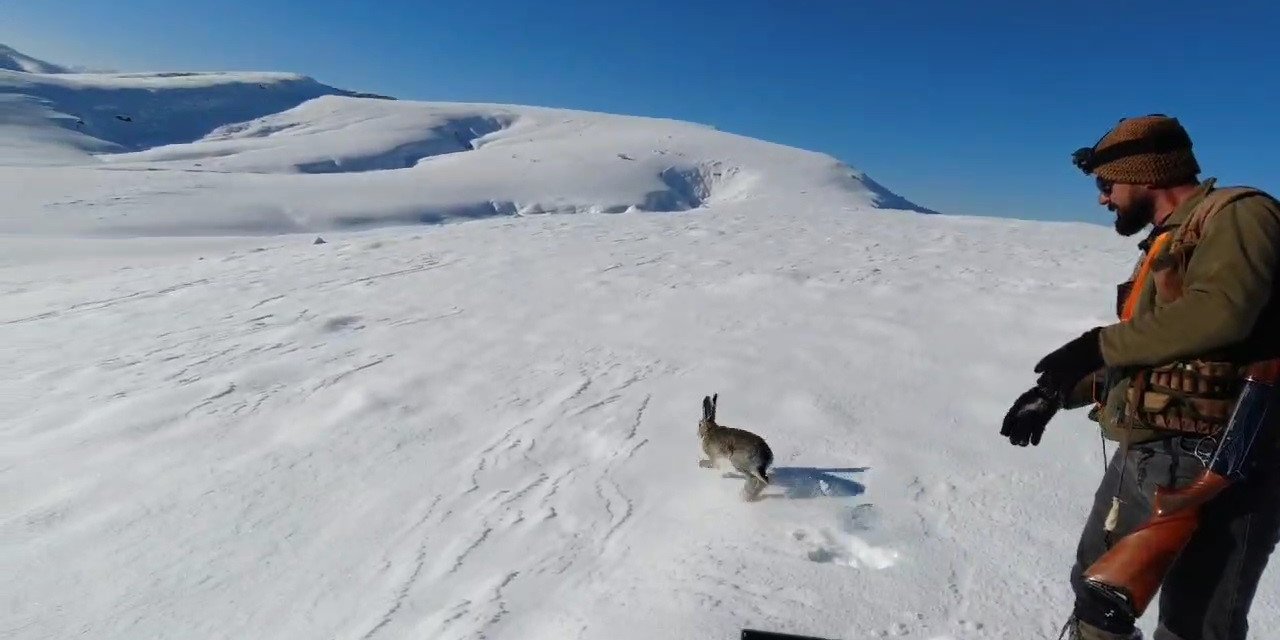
1140,279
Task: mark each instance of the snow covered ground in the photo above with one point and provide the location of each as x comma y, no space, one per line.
214,428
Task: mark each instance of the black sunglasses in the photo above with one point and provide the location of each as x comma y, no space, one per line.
1104,186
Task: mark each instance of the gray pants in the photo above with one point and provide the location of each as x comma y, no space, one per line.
1208,591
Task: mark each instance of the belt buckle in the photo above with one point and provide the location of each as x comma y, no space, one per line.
1203,449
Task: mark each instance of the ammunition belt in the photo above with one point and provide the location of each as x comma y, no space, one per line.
1195,397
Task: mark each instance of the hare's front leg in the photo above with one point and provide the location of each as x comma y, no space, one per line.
712,461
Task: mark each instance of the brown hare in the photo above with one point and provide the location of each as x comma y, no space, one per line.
746,451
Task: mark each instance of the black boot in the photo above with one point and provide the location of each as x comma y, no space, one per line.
1077,630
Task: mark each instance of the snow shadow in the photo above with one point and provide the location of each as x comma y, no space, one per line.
456,136
804,483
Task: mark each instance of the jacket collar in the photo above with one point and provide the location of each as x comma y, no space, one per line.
1180,214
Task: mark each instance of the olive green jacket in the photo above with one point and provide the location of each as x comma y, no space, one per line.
1230,308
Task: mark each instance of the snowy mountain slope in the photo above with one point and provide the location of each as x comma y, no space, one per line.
14,60
65,118
488,430
140,154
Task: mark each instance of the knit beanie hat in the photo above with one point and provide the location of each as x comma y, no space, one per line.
1152,149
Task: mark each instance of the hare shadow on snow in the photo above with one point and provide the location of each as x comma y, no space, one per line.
803,483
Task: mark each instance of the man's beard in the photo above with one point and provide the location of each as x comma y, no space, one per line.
1135,218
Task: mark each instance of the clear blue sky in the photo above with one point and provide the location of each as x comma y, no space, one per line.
964,107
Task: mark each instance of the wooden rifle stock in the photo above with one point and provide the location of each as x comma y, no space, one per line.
1130,573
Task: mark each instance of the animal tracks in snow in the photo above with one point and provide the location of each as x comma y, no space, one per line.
826,544
539,499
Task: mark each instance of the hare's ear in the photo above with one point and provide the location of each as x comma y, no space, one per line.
708,411
714,399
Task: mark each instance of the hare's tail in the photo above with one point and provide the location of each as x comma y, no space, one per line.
763,462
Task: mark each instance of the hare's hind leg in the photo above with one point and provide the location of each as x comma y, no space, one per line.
761,473
751,490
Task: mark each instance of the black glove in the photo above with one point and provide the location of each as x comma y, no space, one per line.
1060,372
1065,367
1029,415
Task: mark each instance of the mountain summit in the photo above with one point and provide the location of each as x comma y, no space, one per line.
14,60
268,153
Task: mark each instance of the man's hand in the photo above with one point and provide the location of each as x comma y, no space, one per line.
1060,372
1029,415
1066,366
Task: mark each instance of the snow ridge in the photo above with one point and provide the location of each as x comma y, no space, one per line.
13,60
127,154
